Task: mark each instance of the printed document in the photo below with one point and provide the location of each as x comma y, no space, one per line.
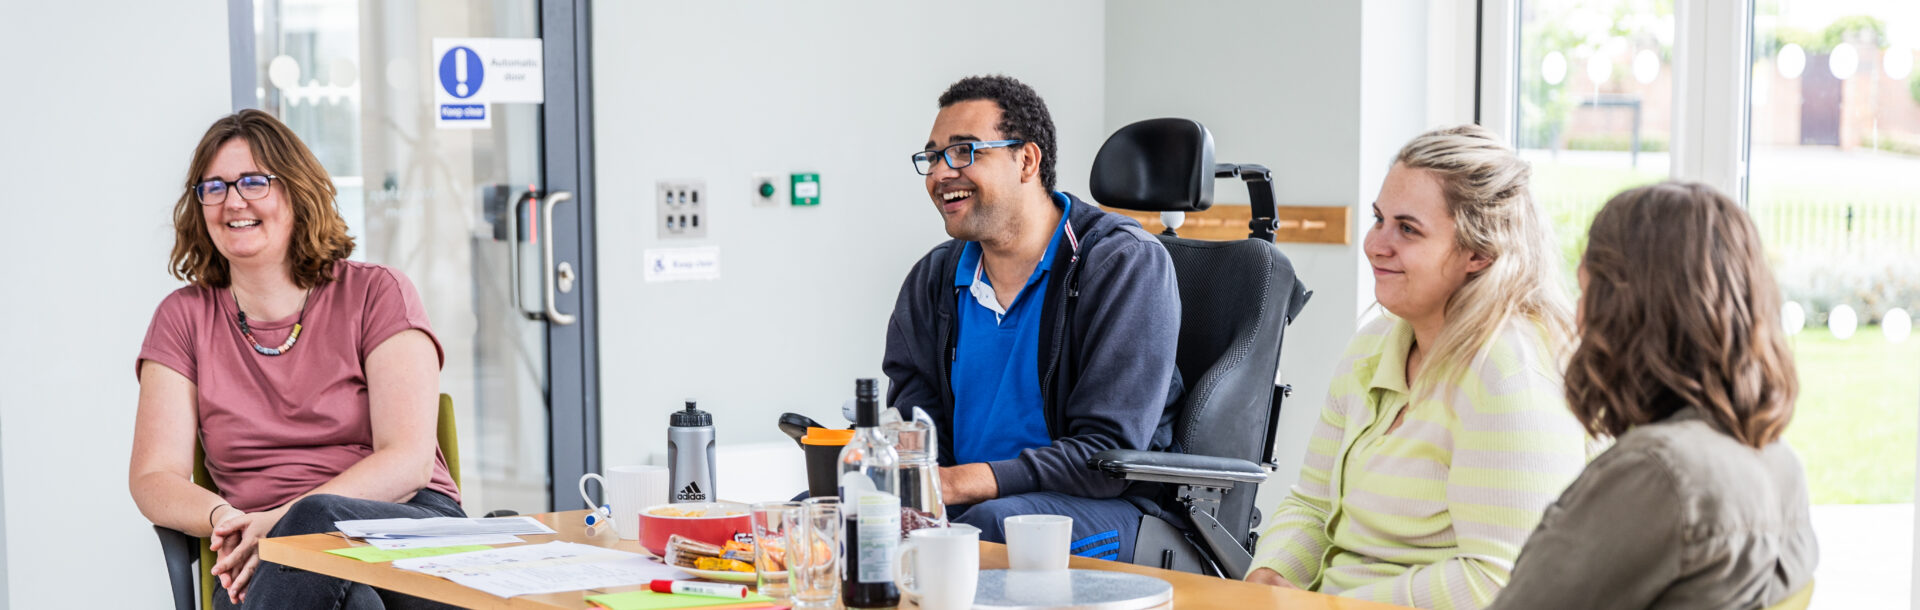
543,568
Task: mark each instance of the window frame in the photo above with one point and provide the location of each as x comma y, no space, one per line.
1710,143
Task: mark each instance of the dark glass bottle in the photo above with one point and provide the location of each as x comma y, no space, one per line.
870,501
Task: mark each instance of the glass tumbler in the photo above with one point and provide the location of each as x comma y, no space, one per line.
813,548
770,547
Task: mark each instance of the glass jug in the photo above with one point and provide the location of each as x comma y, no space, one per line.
917,442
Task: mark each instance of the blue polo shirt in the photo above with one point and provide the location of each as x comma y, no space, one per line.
997,407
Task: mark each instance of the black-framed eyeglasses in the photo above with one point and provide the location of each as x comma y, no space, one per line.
957,156
251,187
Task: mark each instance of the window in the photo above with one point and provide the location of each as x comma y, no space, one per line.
1809,112
1595,107
1835,149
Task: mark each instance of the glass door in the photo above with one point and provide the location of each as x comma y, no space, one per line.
485,220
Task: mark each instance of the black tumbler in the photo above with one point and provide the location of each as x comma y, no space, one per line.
823,460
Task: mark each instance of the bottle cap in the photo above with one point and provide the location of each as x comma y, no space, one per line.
691,418
866,411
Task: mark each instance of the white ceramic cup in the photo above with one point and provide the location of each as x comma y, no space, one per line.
940,566
627,489
1038,542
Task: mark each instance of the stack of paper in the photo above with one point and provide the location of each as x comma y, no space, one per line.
543,568
440,526
399,534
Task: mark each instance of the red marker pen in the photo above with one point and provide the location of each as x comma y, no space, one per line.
703,589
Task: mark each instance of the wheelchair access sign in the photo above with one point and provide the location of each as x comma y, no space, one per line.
472,74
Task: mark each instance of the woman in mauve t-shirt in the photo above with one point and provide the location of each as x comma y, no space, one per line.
311,380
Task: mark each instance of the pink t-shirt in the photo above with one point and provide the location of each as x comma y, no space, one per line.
276,427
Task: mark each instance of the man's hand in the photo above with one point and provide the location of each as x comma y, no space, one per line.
1266,576
968,484
237,541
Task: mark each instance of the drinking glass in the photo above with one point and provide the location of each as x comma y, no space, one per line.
813,553
770,547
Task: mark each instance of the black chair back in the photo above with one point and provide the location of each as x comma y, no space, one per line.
1236,298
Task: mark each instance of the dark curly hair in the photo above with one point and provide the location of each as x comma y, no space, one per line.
1023,115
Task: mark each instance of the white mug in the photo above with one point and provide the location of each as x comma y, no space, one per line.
940,566
628,489
1038,542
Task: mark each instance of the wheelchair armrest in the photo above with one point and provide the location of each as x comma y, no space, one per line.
1177,468
181,552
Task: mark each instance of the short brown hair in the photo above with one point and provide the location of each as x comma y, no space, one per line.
319,234
1680,309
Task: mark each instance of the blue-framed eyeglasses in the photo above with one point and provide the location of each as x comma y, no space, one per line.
957,156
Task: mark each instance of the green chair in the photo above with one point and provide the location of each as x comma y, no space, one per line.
182,550
1798,601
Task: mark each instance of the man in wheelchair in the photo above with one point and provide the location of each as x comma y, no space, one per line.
1042,334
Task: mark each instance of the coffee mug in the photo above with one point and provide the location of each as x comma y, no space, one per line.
1038,542
628,489
940,566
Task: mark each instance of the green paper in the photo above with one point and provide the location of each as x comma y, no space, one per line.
648,600
372,554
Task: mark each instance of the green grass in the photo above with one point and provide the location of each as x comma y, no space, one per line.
1858,417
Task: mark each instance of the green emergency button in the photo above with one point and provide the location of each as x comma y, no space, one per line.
766,190
806,189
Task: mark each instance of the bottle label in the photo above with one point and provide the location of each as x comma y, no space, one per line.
879,520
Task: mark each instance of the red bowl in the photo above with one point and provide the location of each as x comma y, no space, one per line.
718,523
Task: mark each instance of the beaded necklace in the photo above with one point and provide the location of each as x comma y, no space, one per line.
246,331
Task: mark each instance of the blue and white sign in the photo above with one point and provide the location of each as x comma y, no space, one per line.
472,74
461,72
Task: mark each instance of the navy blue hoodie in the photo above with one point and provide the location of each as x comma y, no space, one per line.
1106,366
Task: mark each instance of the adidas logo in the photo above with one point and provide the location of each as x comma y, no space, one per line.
690,493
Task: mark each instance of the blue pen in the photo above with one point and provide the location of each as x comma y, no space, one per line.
604,514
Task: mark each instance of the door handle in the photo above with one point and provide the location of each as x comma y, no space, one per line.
547,263
513,255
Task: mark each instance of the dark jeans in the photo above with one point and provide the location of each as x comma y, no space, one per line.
1103,528
277,586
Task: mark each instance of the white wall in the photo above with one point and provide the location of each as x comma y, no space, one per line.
1323,93
101,111
718,91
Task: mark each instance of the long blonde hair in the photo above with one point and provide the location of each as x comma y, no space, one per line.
1495,216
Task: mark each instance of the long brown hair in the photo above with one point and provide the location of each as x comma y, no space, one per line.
1680,309
1494,215
319,234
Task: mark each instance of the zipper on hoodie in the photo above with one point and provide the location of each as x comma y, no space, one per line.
1070,285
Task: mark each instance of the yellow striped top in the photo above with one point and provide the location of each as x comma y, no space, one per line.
1433,514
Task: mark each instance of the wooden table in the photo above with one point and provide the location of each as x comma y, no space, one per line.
1190,591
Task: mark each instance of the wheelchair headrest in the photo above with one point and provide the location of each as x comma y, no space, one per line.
1156,165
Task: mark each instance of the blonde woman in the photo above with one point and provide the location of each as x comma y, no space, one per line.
1445,434
1700,504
